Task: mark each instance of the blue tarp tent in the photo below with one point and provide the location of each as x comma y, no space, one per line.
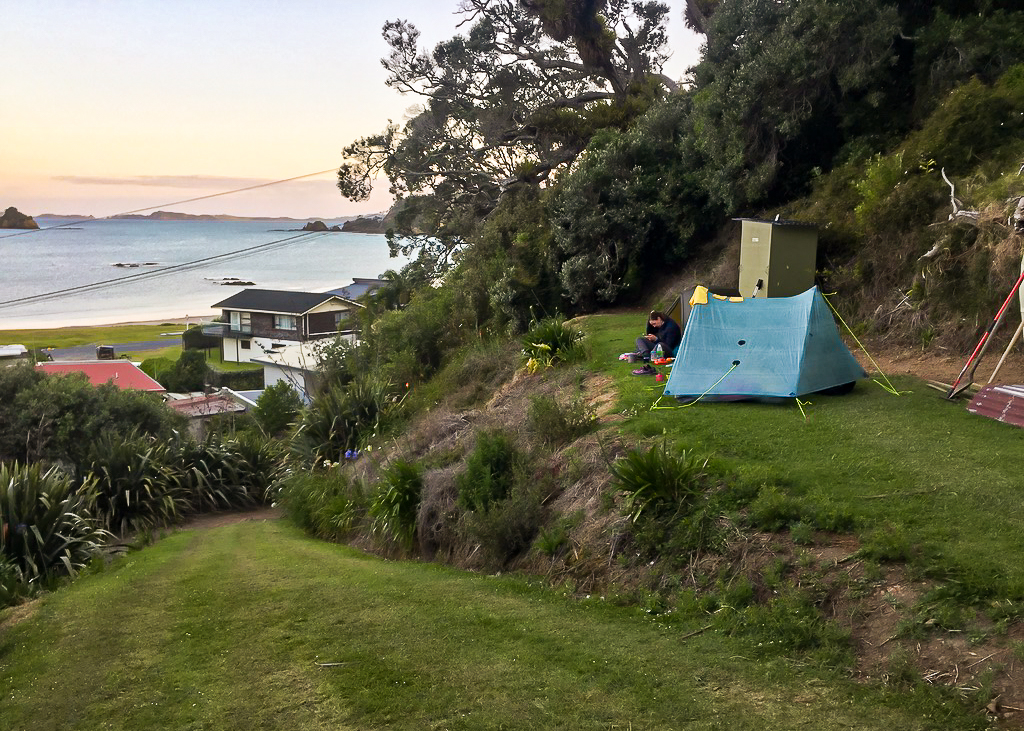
783,346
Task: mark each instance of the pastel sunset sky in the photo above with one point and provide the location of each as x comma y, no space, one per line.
120,105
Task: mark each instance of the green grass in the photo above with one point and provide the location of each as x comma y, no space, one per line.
224,629
67,337
949,478
213,360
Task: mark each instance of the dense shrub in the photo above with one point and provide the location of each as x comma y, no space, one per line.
326,502
555,424
396,503
277,408
507,527
46,529
236,380
194,339
49,417
188,374
491,471
131,484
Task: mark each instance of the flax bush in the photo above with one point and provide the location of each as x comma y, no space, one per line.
397,502
549,342
46,529
665,496
131,484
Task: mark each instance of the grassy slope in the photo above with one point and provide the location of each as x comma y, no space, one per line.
223,629
947,478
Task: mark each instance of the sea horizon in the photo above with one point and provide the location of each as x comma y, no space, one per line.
169,270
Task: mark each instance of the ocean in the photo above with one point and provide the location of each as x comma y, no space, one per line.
151,284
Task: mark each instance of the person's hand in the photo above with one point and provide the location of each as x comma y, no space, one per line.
652,338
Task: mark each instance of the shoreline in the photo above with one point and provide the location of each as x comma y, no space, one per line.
182,320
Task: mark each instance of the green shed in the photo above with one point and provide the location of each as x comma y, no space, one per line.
778,254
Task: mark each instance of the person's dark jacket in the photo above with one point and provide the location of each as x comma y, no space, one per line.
669,335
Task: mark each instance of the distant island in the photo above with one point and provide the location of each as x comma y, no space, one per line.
375,223
13,218
175,216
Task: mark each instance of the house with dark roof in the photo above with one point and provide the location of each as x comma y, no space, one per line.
258,321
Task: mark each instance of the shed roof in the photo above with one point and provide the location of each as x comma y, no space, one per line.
780,222
122,373
200,406
359,287
277,301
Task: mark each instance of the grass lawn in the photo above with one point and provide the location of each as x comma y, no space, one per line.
916,465
67,337
254,625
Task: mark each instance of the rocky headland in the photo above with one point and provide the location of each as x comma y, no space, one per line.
13,218
364,225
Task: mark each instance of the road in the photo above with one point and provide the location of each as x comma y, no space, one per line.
88,352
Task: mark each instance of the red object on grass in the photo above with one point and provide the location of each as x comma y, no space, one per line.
1002,403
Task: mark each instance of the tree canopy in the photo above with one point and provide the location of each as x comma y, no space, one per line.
516,97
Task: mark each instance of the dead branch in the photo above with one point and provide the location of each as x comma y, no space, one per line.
958,212
1017,218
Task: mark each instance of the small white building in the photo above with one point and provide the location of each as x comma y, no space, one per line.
296,365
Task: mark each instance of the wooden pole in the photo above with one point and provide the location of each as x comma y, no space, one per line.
1013,341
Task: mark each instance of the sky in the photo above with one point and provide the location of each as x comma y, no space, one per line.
118,105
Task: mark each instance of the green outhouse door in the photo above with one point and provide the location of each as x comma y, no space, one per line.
780,255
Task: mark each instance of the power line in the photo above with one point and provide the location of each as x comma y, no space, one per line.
154,273
164,271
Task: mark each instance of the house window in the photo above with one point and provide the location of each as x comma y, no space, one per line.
241,321
245,344
284,322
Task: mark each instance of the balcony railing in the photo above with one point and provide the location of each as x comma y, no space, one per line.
224,330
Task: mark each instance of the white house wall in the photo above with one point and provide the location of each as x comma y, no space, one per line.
258,347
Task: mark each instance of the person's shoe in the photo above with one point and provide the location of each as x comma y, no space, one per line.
645,371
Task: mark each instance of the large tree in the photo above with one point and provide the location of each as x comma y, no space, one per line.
778,82
516,97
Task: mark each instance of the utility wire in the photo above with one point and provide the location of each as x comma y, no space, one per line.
154,273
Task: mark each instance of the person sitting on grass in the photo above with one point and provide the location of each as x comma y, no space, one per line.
663,330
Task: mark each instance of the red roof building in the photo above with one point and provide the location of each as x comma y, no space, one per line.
121,373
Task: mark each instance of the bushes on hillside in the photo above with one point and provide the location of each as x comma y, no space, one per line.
341,416
56,418
665,496
396,503
277,408
130,484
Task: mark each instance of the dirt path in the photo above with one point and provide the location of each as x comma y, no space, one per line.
216,520
939,363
